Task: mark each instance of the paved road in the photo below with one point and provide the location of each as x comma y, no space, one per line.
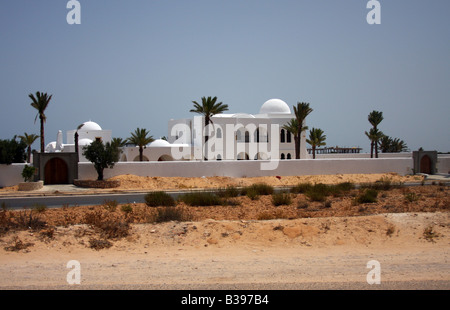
71,200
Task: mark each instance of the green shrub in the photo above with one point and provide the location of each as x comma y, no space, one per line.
201,199
228,192
167,214
28,173
252,193
39,207
382,184
411,197
127,209
157,199
344,187
318,192
367,196
301,188
258,188
279,199
110,205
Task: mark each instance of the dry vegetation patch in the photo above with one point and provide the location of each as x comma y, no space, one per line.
99,227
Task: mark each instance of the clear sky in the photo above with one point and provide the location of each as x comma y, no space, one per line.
140,63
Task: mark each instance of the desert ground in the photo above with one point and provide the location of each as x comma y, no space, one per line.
243,244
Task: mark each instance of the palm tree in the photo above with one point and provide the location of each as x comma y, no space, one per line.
375,118
40,103
208,109
374,136
392,145
316,138
29,140
301,111
140,138
119,142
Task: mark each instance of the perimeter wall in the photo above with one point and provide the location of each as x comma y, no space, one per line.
246,168
10,175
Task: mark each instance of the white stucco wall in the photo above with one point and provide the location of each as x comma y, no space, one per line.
251,168
443,164
364,155
11,175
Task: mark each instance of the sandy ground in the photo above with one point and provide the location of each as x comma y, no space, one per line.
227,247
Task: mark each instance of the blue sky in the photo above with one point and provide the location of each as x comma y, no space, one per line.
140,63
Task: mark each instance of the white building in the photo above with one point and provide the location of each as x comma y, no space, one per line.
238,136
89,131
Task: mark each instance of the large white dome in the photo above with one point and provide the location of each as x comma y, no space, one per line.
275,106
159,143
90,126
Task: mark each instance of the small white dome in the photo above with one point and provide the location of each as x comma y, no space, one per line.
51,147
275,106
90,126
84,142
159,143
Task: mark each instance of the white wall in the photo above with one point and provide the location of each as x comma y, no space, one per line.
443,164
252,168
11,175
364,155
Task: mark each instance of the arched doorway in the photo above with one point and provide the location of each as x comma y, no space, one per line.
425,164
56,172
165,158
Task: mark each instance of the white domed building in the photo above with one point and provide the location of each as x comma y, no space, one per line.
234,136
240,136
87,133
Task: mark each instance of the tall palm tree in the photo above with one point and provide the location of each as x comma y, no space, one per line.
208,108
316,139
301,111
29,140
375,118
140,137
374,136
40,103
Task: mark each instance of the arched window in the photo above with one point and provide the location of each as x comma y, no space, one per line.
219,133
282,136
288,137
256,138
219,157
238,136
247,136
289,156
282,155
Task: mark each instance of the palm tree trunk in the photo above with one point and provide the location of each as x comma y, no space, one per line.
297,147
371,149
29,154
141,153
42,135
205,156
314,151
